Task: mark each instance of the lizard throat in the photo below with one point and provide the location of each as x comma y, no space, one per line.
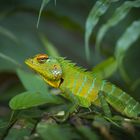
54,83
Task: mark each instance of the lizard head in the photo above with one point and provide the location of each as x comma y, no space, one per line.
48,67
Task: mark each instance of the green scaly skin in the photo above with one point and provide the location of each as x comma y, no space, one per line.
80,86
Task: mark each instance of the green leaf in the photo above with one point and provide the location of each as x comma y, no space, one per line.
124,43
3,126
96,12
106,68
44,3
31,99
51,50
119,14
88,133
8,34
127,39
7,58
32,82
55,2
20,130
135,85
52,131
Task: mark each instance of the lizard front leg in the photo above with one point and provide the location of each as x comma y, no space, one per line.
71,108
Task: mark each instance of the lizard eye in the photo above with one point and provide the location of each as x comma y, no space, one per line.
42,58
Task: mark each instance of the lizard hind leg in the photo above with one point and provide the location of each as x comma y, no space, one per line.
104,104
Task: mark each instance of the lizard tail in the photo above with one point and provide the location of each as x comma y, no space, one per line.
120,100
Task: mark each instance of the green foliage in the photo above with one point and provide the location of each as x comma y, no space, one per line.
126,40
49,130
8,34
30,99
97,10
7,58
39,109
90,135
106,68
20,130
49,47
124,43
44,3
135,84
37,93
38,85
119,14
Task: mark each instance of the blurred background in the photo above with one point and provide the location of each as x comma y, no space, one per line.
62,26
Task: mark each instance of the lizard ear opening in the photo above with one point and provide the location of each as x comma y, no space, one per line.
55,80
57,72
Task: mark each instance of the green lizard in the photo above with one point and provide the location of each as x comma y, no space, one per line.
83,87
